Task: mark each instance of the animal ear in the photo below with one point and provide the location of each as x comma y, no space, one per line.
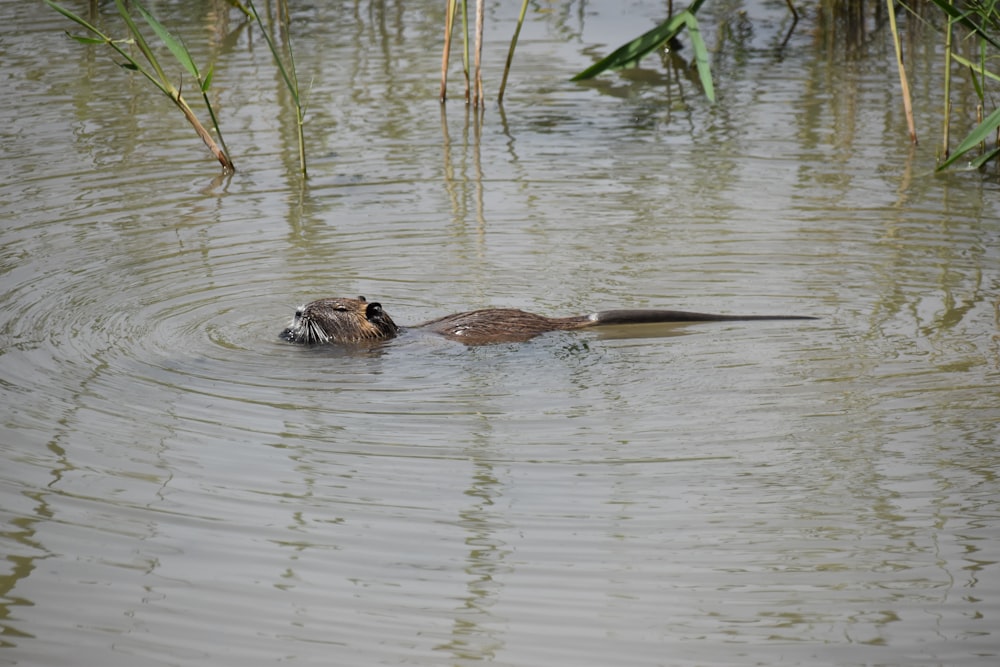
373,310
361,299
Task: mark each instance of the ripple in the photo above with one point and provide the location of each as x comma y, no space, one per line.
185,475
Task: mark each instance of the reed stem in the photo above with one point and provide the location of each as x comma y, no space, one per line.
158,76
510,53
945,131
465,54
449,23
287,74
904,85
479,99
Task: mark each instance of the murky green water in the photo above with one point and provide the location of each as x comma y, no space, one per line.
179,487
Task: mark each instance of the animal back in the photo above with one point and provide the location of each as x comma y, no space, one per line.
498,325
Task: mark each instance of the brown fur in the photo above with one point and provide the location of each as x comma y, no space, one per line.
339,321
356,320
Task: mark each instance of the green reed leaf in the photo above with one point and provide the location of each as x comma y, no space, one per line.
701,57
629,55
160,79
76,19
975,83
87,40
101,38
208,79
963,18
175,45
977,136
984,158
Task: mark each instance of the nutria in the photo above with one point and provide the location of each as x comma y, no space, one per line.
357,320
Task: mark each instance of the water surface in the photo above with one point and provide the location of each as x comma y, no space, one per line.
178,486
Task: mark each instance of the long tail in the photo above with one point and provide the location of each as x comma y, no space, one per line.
657,316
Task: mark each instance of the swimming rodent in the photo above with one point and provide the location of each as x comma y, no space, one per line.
342,320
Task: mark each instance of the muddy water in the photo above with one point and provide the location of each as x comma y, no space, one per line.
178,487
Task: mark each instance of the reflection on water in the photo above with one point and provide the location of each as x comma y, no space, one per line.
179,486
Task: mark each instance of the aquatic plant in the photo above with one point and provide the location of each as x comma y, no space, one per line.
153,70
629,55
288,75
903,82
979,18
510,52
449,22
474,96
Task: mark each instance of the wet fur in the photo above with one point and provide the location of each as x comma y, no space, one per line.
341,320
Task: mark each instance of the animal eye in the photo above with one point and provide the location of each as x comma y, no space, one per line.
341,307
